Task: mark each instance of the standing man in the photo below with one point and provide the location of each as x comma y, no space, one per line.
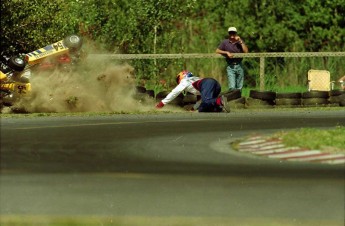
234,44
208,88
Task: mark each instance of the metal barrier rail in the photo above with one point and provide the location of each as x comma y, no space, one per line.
262,57
215,55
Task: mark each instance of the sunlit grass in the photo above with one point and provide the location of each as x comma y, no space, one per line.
155,221
330,140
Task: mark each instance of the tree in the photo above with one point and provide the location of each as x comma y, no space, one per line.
30,24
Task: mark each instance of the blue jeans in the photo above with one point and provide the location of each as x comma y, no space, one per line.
209,90
235,76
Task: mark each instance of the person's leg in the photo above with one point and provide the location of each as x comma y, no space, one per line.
230,70
239,76
209,90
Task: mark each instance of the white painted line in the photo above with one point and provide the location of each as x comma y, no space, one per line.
275,149
251,142
267,152
334,162
320,156
257,146
268,148
330,157
247,149
271,147
293,154
267,144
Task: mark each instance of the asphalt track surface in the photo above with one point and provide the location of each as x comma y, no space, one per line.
165,165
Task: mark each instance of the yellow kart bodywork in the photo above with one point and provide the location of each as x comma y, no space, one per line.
70,43
14,87
3,76
55,49
18,86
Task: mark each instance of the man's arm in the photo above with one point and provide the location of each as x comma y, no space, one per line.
226,53
173,94
244,47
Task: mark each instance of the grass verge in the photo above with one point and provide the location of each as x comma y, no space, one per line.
328,140
155,221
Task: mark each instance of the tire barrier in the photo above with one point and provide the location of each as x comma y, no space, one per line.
337,97
232,95
262,95
309,102
341,99
288,100
260,99
256,99
315,94
315,98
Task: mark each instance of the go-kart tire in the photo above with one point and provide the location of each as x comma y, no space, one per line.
16,63
73,42
334,100
288,95
262,95
336,92
315,94
314,101
341,99
232,95
288,101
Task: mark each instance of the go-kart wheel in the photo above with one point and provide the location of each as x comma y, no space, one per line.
16,63
73,42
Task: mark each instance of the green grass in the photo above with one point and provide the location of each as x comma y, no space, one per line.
330,140
154,221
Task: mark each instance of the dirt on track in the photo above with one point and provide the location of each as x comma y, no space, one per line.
89,87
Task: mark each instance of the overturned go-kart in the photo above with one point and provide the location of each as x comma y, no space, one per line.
15,71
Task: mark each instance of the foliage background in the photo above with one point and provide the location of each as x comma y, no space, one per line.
185,26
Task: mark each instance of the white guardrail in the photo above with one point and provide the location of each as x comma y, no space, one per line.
262,57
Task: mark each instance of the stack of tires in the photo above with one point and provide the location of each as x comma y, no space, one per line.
337,98
288,100
260,99
315,98
235,99
256,99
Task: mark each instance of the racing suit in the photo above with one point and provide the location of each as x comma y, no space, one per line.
208,88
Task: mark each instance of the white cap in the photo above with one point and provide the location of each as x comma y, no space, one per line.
232,29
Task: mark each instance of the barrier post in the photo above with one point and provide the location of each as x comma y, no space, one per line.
262,73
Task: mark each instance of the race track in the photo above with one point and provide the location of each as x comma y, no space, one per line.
165,165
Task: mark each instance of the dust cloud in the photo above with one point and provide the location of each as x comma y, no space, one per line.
92,86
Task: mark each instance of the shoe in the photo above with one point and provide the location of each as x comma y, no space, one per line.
225,104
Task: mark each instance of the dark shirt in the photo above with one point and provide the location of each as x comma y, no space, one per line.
236,47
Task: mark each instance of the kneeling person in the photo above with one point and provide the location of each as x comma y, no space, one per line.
208,88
